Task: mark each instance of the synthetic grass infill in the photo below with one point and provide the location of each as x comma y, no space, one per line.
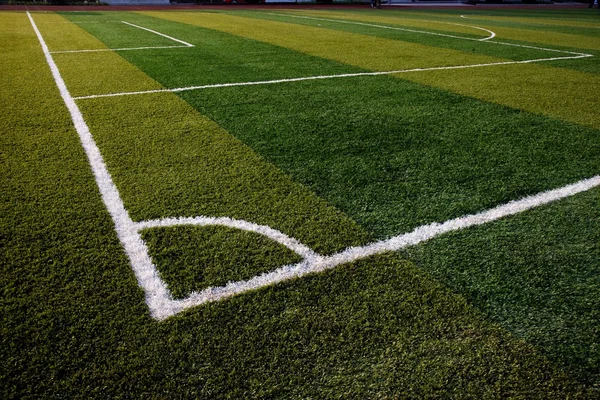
558,92
74,323
537,274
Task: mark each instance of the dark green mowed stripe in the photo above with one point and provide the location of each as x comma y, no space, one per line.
395,155
537,274
468,46
490,48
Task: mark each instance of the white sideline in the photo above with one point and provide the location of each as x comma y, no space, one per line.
341,21
159,299
310,78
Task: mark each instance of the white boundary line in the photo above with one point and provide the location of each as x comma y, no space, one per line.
184,44
159,299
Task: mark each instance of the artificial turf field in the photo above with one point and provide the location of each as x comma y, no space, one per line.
253,211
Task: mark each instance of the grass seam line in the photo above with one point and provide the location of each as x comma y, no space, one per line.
318,77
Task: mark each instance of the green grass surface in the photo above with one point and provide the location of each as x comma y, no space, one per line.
192,258
500,311
536,274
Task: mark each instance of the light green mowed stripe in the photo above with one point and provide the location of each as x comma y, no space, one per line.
168,161
89,73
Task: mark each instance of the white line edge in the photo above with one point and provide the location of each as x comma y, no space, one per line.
119,49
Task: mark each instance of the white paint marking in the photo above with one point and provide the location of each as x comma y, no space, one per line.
159,34
264,230
158,297
492,34
157,294
309,78
419,235
183,44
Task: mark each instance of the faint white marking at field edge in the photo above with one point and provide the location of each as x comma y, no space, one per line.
341,21
159,34
419,235
309,78
158,297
